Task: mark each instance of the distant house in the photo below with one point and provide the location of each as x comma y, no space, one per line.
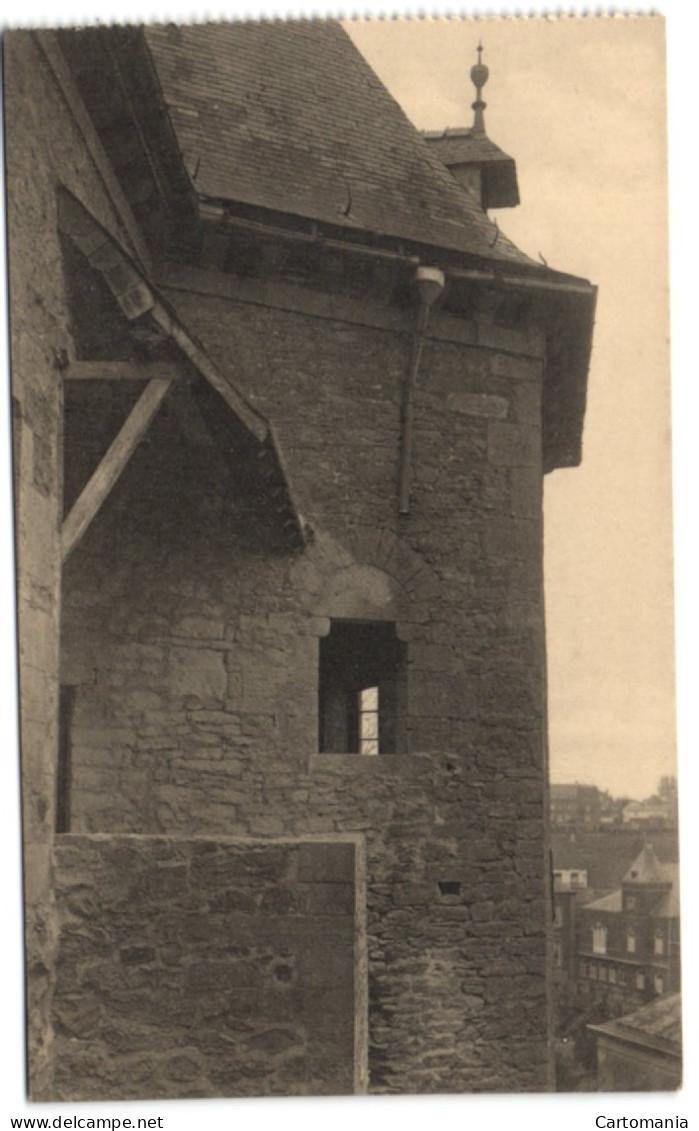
641,1051
629,940
575,805
570,891
569,879
651,813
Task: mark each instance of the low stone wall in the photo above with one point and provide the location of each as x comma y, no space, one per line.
203,968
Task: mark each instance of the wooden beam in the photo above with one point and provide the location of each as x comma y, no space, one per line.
123,371
112,464
48,42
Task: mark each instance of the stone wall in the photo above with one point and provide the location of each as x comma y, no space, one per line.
202,967
194,650
45,146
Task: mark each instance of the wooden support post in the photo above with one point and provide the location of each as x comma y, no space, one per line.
112,464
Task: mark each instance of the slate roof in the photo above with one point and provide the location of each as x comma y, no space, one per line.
463,147
653,872
288,116
646,869
669,905
611,902
657,1025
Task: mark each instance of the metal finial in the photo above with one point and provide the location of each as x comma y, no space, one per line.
479,77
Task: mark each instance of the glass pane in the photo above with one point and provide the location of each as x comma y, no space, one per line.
369,746
369,699
369,726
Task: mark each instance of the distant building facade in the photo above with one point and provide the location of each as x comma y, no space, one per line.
569,892
628,942
575,805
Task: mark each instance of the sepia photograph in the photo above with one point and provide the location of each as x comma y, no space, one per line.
341,470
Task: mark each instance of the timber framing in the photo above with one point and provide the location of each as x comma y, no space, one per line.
112,464
139,301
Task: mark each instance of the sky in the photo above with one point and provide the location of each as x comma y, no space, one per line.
580,104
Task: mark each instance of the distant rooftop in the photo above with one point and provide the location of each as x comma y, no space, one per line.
657,1025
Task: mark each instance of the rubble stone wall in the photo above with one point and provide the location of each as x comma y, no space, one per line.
194,651
203,968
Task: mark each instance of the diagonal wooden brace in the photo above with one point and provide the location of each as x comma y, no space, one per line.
112,464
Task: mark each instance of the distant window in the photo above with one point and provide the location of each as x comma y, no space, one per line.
622,977
558,916
583,969
593,971
631,941
659,984
631,903
574,881
640,980
603,973
599,939
612,975
362,689
659,943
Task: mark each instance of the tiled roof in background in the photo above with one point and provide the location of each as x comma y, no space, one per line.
656,1025
289,116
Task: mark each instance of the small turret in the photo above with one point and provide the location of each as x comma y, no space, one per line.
480,167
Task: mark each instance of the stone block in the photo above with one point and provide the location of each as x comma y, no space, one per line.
514,540
479,404
513,445
199,628
197,672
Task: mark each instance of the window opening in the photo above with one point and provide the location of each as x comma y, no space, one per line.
659,943
631,941
362,689
599,938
